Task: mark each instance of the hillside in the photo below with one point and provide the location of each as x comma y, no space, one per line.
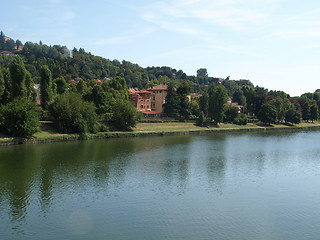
78,63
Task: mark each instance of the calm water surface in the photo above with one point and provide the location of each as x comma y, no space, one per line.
235,186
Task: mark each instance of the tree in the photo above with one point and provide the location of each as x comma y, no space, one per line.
18,75
293,116
217,98
203,103
306,110
171,106
125,115
184,109
6,95
45,87
250,94
19,118
18,44
10,45
267,113
238,96
31,92
2,41
71,114
314,111
231,112
61,84
282,105
2,86
202,72
201,119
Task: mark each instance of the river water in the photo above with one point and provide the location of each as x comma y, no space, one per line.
223,186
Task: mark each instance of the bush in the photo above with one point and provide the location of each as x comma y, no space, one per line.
125,115
19,118
242,119
71,114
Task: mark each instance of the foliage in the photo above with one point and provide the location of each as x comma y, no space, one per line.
231,112
201,119
267,113
314,111
45,87
19,118
184,107
61,84
293,116
217,99
71,114
171,105
241,119
18,75
125,115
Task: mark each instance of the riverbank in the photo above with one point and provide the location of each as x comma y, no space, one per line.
48,134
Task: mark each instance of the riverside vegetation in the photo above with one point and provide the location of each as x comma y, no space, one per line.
96,107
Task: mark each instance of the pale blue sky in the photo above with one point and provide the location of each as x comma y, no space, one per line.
273,43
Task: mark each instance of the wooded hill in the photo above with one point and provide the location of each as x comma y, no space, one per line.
77,63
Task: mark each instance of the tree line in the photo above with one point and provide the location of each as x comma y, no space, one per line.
255,103
84,107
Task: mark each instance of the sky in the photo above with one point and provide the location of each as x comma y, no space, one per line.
272,43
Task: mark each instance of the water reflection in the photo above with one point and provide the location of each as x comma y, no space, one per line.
161,175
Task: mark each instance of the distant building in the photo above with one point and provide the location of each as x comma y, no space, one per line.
158,97
149,102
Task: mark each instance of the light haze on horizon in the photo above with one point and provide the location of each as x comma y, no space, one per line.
273,43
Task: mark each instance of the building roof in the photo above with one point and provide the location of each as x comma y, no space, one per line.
163,86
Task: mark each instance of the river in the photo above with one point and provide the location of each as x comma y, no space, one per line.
222,186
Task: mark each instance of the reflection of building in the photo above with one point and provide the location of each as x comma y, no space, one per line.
150,101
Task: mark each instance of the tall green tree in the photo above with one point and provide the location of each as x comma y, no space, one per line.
217,99
314,111
45,87
203,103
31,92
18,76
171,106
267,113
2,41
2,86
6,95
184,107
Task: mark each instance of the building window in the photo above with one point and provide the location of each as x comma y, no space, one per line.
141,107
147,100
141,100
147,106
153,105
160,91
154,98
154,91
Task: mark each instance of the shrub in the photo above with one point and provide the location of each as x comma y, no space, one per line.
242,119
71,114
125,115
19,118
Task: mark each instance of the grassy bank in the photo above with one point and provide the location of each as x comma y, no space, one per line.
48,134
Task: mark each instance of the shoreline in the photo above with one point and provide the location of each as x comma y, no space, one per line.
106,135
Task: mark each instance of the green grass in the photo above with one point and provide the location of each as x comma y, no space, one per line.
48,133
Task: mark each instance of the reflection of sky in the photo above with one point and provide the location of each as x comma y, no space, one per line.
169,187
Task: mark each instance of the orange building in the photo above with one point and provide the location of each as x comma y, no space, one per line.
142,99
149,101
158,97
